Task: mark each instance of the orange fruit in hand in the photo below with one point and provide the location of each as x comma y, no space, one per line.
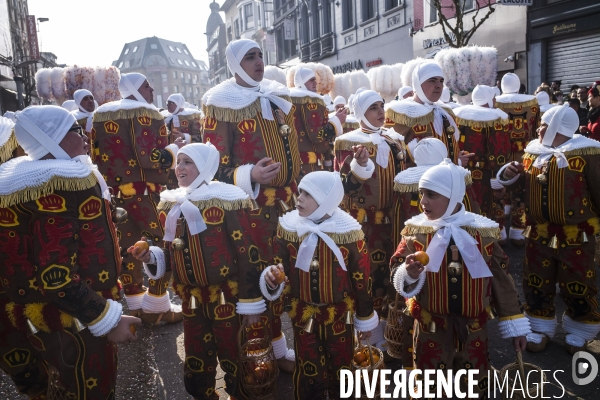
132,329
141,245
279,275
360,357
422,257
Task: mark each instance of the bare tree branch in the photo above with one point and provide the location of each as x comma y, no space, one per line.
461,37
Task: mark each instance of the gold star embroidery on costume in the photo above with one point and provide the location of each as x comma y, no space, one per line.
130,266
207,337
546,263
91,383
103,276
277,260
224,270
153,225
209,392
105,157
589,274
73,258
225,159
236,235
152,282
33,284
132,163
323,360
357,276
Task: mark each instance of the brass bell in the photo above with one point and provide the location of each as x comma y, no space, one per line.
146,191
406,311
222,300
178,244
455,268
542,178
308,328
119,194
386,220
193,303
119,216
284,130
365,219
584,237
432,327
294,200
32,329
553,242
527,231
491,314
348,318
314,264
77,325
255,205
450,130
284,207
400,155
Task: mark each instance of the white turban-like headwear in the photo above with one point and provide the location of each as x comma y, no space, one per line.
429,151
206,158
339,101
327,190
302,76
421,73
179,101
40,129
483,95
69,105
560,119
351,103
129,85
363,99
510,83
235,53
445,98
403,91
448,180
78,96
543,98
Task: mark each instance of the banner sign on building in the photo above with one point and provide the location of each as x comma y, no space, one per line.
516,2
289,29
34,50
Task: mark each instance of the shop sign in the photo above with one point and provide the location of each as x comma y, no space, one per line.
374,63
349,66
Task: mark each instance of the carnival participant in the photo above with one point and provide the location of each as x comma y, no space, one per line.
69,105
447,99
351,123
84,114
315,130
484,133
523,117
326,284
61,275
562,197
544,102
460,284
209,219
249,120
592,130
405,92
134,155
369,159
424,115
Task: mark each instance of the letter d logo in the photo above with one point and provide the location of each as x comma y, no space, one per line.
583,364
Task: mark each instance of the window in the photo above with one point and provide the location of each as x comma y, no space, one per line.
134,49
126,51
195,77
389,4
186,62
249,16
368,9
179,61
468,5
172,60
326,17
431,15
164,76
189,76
236,26
197,90
185,51
154,46
286,49
165,89
347,14
127,64
171,48
194,64
174,74
315,32
178,50
120,64
182,75
183,89
175,89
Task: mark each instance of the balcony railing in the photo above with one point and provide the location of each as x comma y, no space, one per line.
305,52
315,50
327,44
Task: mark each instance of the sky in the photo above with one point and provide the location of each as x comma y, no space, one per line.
93,32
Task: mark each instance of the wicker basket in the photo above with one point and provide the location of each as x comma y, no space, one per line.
535,388
258,366
55,389
394,333
379,364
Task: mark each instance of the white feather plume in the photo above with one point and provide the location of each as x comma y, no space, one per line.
43,83
275,74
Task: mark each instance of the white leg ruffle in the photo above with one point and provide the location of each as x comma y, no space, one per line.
579,332
516,234
545,326
280,346
158,304
134,302
377,333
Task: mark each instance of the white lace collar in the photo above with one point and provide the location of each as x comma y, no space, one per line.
124,104
479,114
514,98
218,190
344,222
411,108
6,129
301,92
230,95
577,142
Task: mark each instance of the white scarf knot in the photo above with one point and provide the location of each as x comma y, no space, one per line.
383,148
561,160
309,244
191,213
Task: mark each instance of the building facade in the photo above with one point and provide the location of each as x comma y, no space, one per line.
564,42
169,67
505,29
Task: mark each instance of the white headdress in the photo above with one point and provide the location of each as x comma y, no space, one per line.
129,85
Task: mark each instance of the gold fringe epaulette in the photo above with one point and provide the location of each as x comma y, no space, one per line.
341,145
410,230
227,205
404,119
54,184
414,187
483,124
307,100
584,151
338,238
127,114
230,115
7,148
528,103
351,125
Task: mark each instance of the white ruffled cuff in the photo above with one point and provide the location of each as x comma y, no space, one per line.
495,184
361,172
335,121
280,346
516,234
401,277
156,304
173,148
584,330
188,138
545,326
265,291
251,308
161,267
243,180
327,163
110,319
508,182
290,355
514,327
366,325
134,302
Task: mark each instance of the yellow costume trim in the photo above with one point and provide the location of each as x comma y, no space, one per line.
351,125
307,100
482,124
528,103
127,189
102,314
53,184
511,317
404,119
571,231
338,238
250,300
228,205
425,315
414,187
341,145
214,291
311,310
127,114
584,151
7,148
230,115
366,318
410,230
